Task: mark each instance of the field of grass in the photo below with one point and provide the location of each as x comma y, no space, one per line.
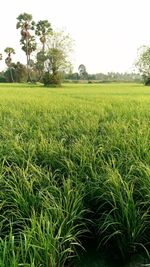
74,171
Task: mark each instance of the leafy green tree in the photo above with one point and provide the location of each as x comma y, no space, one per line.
39,65
28,43
82,71
59,47
72,76
2,77
9,51
143,63
43,29
19,72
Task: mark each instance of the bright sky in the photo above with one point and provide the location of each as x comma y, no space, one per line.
107,33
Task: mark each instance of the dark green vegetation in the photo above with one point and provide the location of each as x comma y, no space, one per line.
74,171
143,63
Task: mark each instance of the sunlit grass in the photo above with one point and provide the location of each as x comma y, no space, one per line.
73,160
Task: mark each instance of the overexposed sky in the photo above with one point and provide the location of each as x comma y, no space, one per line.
107,33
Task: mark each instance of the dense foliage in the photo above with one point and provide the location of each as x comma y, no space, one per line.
143,63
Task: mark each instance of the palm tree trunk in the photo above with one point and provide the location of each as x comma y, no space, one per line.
27,53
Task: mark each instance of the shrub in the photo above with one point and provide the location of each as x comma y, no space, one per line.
51,79
146,80
3,79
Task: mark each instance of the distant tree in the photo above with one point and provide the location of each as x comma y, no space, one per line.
59,46
9,51
72,76
143,63
2,77
39,64
91,76
82,71
25,23
20,72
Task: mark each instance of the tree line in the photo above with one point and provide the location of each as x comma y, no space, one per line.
82,74
48,58
47,53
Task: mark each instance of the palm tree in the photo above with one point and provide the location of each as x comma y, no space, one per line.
25,23
43,28
9,51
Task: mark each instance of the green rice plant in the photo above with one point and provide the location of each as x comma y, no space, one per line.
61,225
20,197
14,254
7,255
50,235
72,159
124,223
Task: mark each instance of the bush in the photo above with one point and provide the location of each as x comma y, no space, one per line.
51,79
3,79
146,80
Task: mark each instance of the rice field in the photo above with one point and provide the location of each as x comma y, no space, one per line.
74,175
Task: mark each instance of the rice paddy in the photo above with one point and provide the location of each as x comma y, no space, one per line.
74,170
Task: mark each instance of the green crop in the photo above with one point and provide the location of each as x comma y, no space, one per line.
74,163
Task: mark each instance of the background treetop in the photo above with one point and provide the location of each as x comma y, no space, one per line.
25,21
43,27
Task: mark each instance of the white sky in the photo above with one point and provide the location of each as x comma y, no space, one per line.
107,33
